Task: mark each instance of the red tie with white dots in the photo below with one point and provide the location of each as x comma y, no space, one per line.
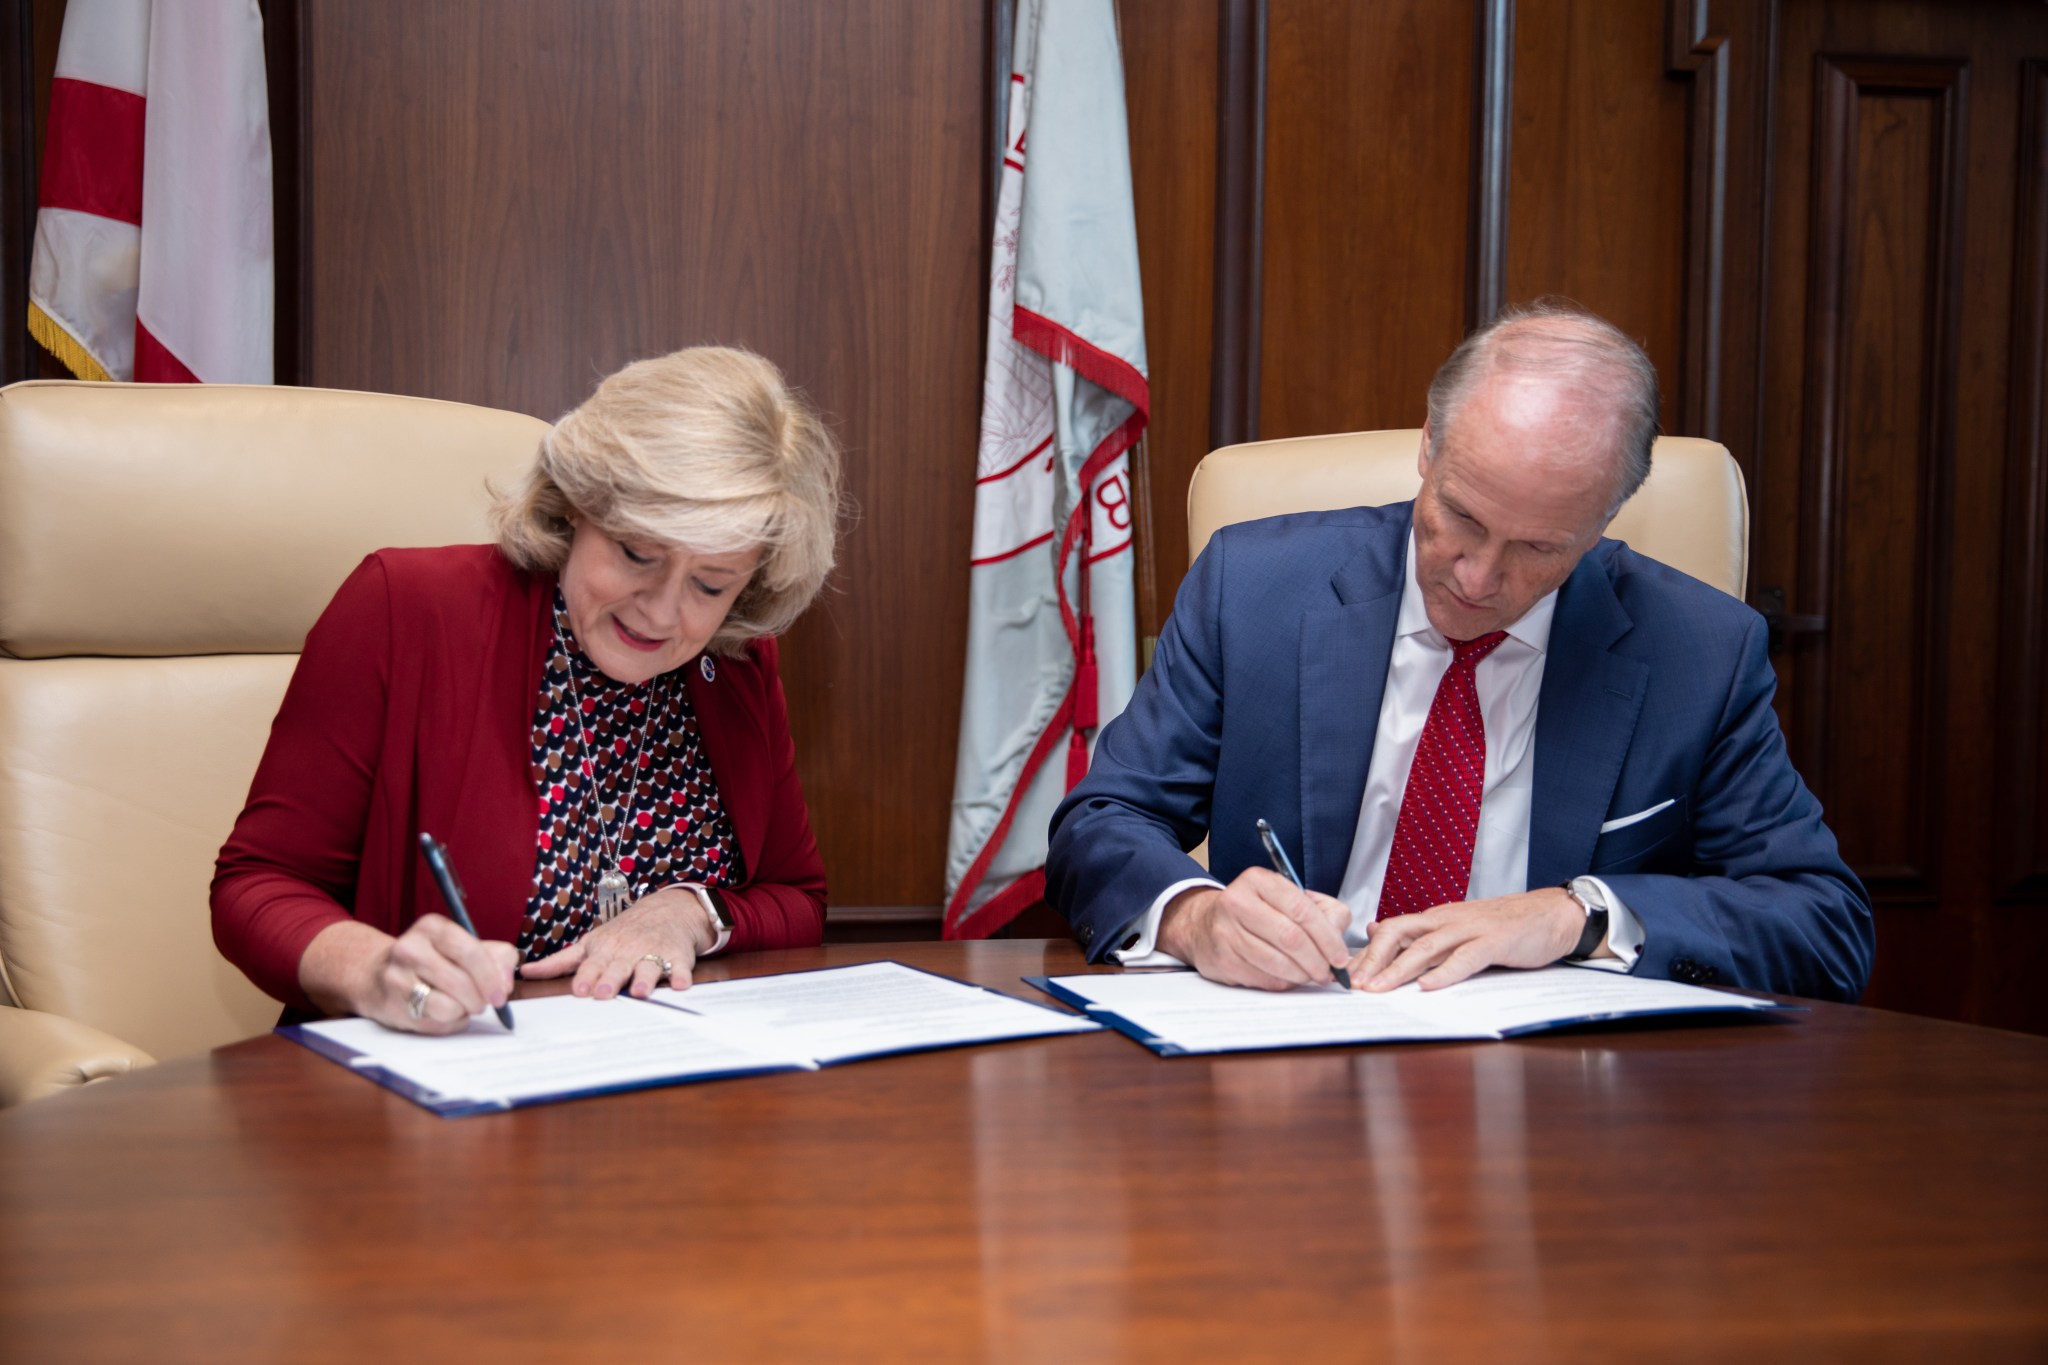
1431,861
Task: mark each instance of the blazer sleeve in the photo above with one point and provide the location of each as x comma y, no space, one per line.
1121,837
1773,907
288,870
782,903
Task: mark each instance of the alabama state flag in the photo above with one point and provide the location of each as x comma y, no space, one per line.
153,226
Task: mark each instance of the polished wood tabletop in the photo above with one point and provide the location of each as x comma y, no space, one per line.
1842,1184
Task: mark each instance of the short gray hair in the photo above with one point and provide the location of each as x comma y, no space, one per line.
708,448
1556,336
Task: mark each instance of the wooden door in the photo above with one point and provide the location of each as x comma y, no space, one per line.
1899,487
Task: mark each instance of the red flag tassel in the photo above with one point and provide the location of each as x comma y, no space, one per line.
1085,705
1086,701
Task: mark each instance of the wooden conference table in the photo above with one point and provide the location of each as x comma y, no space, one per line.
1854,1184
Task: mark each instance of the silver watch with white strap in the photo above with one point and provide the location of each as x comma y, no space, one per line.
721,923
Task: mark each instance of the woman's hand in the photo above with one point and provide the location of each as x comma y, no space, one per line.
671,925
355,969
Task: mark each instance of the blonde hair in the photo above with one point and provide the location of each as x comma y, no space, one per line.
708,448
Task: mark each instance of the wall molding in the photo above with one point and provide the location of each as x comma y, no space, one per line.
1002,35
18,160
1493,109
1841,83
2022,855
1240,221
290,222
1725,51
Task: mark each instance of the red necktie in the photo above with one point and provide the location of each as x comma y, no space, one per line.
1431,862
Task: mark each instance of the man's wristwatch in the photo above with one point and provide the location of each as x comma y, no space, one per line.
1596,921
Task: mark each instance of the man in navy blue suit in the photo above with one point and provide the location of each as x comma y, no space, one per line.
1489,736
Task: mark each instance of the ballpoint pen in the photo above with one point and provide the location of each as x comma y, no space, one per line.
451,892
1285,867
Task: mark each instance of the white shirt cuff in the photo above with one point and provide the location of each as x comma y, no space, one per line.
1145,952
1624,931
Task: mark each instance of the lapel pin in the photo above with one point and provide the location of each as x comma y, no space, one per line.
708,669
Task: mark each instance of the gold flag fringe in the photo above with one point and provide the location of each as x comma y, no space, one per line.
66,347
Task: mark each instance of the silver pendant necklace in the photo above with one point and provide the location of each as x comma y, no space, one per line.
614,895
614,892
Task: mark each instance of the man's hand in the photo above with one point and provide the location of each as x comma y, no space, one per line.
1261,931
1445,945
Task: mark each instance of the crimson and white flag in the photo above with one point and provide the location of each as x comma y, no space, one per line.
153,229
1052,647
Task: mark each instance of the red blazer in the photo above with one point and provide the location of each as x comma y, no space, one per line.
412,709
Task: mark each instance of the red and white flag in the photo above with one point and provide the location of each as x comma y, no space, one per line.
153,230
1052,641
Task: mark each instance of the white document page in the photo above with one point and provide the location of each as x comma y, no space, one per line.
561,1044
841,1013
1198,1015
1501,1001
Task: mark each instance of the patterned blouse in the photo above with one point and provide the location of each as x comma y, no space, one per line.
667,826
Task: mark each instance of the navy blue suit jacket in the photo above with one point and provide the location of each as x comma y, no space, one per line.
1263,699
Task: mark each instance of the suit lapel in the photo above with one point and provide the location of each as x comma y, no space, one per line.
1344,653
1585,720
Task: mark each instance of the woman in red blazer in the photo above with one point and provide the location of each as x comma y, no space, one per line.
586,713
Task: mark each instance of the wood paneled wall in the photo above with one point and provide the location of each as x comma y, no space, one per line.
1597,172
28,55
1368,121
1413,165
507,199
1172,53
1900,498
2022,866
1826,219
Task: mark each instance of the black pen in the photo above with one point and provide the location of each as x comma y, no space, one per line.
1285,868
451,892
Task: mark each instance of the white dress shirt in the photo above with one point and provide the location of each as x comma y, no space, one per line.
1509,681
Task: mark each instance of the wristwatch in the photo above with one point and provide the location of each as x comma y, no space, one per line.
721,922
1591,902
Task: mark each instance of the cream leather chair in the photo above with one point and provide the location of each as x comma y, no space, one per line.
1692,513
163,551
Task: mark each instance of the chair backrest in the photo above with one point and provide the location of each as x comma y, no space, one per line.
1692,513
163,551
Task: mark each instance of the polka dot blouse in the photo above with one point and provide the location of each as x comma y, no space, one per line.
666,825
